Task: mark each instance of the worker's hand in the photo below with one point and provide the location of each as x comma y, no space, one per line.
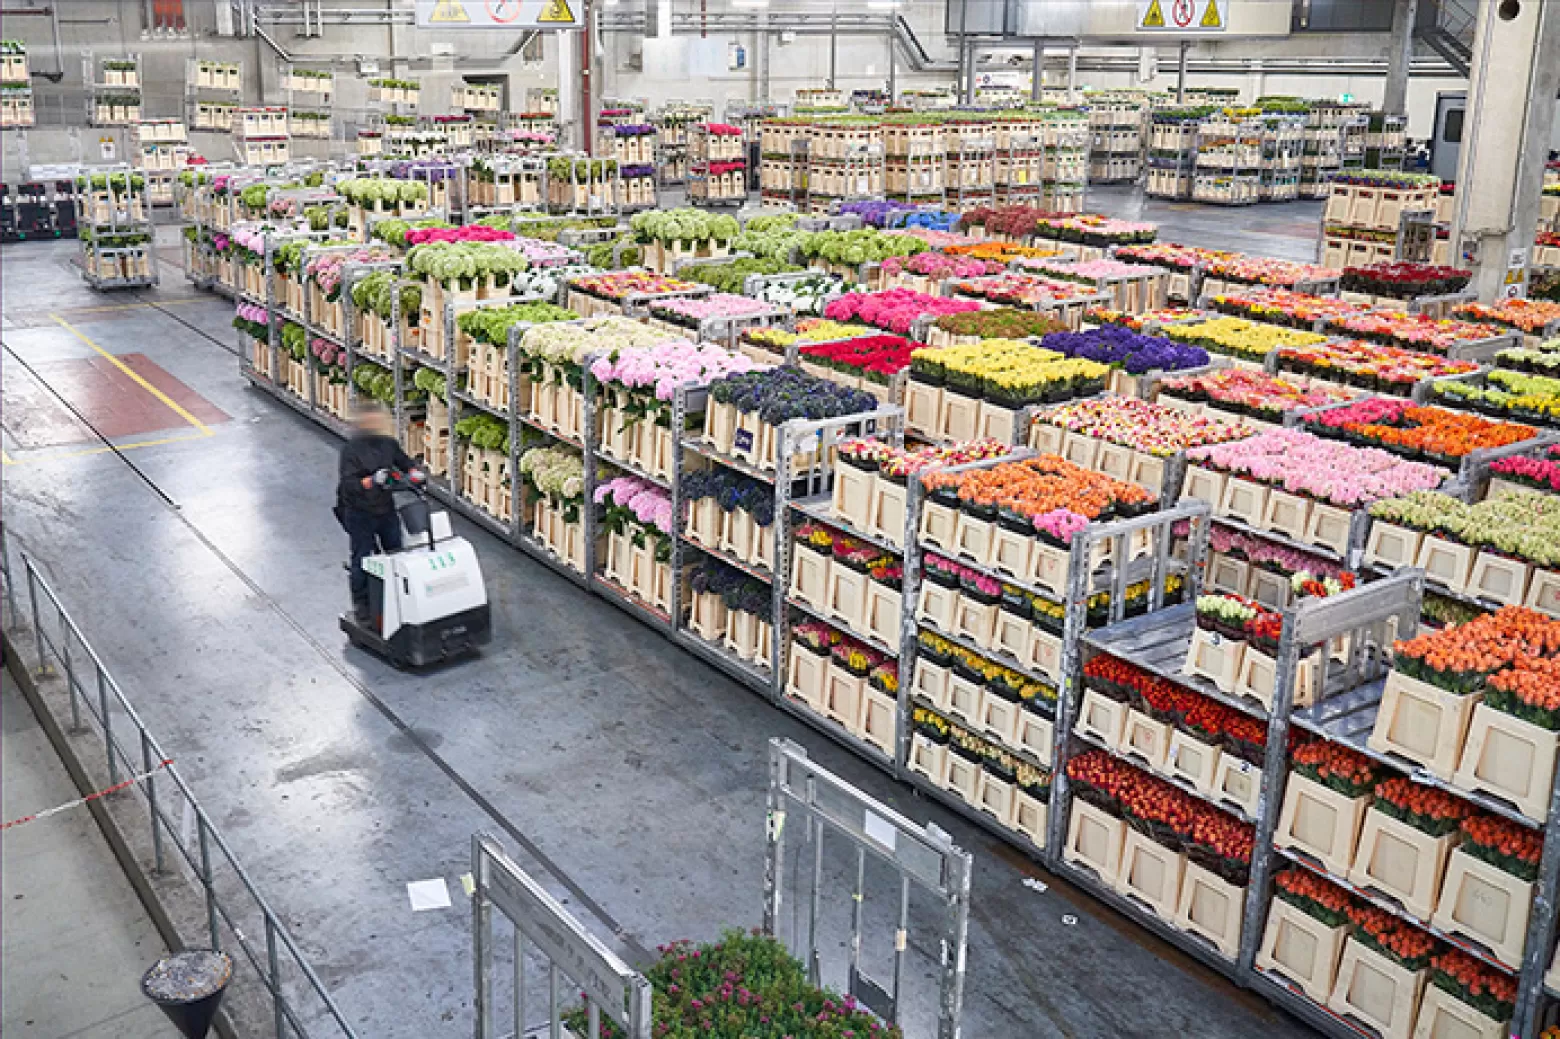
381,478
417,476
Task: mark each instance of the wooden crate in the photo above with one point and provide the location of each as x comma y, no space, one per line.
972,538
1320,822
846,595
1376,992
1485,904
853,492
1190,759
1146,739
938,605
1401,862
707,618
1101,718
1215,658
1422,723
1301,949
939,524
1510,758
1444,1016
881,615
931,681
929,759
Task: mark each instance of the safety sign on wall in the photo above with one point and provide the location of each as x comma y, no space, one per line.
1177,16
500,14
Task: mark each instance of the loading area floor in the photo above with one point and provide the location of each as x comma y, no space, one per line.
201,558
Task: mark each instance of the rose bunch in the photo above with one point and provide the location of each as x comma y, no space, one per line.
1277,306
1256,394
894,309
1370,366
1008,372
1155,429
1540,471
1421,331
1325,470
1529,315
1425,808
1336,767
689,311
1175,257
999,323
622,284
939,266
1463,659
1027,289
1433,432
999,252
1401,280
1090,272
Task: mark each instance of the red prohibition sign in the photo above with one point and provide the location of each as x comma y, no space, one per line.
1182,12
504,10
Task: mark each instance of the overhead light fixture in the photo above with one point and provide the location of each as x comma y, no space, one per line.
753,4
882,5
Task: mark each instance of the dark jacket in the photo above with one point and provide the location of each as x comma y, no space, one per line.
364,455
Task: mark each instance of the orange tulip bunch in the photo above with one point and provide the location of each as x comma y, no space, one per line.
1314,896
1399,941
1039,485
1491,992
1462,659
1530,690
1503,844
1336,767
1425,808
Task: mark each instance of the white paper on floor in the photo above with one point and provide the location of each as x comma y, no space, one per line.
428,894
1070,920
1035,885
468,885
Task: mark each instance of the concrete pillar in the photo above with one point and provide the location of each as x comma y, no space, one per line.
762,56
569,135
1037,84
1500,170
1399,56
1180,76
1072,74
893,69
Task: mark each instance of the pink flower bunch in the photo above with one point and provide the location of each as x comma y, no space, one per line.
1061,524
220,241
939,265
652,506
985,585
249,238
326,268
721,304
1369,410
727,166
256,315
666,366
469,233
328,352
895,309
544,254
1225,541
936,239
1089,270
621,490
723,129
1326,470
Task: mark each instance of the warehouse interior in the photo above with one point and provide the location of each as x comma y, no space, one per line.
921,518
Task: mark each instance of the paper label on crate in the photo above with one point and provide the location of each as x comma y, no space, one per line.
743,440
881,830
1245,768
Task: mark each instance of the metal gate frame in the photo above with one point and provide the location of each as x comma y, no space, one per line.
923,854
609,984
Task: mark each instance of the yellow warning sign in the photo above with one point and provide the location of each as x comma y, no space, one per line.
1210,18
447,11
556,11
1154,17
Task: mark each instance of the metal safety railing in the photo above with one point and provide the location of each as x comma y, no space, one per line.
235,912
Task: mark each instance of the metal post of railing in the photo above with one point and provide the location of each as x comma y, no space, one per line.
147,760
206,880
5,573
275,980
70,673
32,597
108,725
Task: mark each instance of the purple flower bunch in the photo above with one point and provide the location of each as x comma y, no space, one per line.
876,214
736,589
633,129
630,172
781,394
1121,348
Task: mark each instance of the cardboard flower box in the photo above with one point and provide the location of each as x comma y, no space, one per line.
879,712
842,696
963,777
929,759
1286,513
1392,546
1049,567
1445,561
1094,841
1329,526
846,594
1499,578
889,505
1035,734
964,700
809,574
1544,592
972,538
1510,758
999,718
1101,718
1376,991
1258,672
1029,816
1011,552
1227,574
1012,635
720,425
881,614
1444,1016
976,620
1215,658
1190,759
1401,862
1486,904
1081,450
958,417
1205,485
939,525
1243,500
853,491
1270,589
994,796
1422,723
938,606
1211,907
1321,822
923,408
1146,739
805,675
931,682
1302,949
1150,874
1148,472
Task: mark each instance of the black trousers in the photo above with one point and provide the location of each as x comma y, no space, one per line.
370,534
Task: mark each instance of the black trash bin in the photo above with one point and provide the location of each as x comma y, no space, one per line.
189,986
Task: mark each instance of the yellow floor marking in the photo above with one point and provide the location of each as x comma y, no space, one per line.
174,405
49,456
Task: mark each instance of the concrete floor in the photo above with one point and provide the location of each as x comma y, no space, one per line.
204,564
69,973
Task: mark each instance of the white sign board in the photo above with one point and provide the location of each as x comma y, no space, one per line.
500,14
1183,16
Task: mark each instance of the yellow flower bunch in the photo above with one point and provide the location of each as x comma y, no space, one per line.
857,660
1040,604
1242,338
1011,368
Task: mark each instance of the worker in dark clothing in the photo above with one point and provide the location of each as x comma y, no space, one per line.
365,505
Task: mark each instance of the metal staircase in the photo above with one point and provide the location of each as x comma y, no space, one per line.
1447,29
